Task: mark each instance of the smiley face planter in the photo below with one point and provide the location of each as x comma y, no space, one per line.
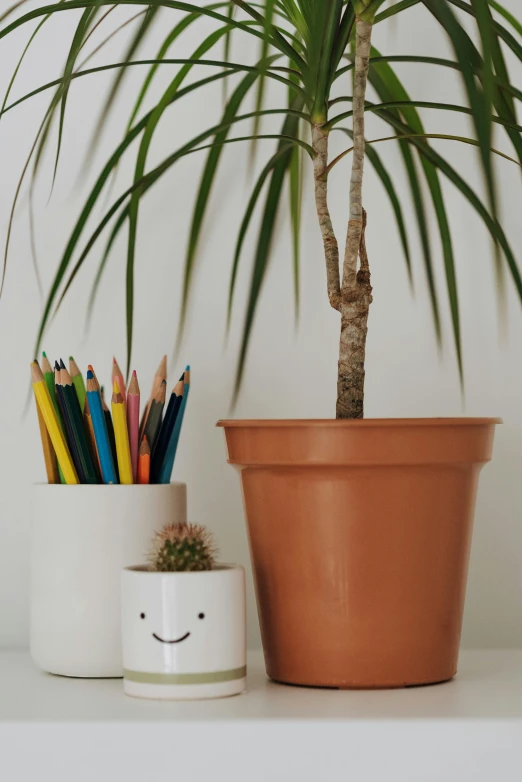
184,634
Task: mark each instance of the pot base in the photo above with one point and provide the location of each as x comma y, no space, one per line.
364,686
184,692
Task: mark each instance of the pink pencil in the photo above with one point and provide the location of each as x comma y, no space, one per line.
118,377
133,422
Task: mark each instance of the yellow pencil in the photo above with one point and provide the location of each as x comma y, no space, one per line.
121,434
43,399
51,465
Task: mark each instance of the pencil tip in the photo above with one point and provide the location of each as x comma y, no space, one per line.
44,354
71,358
89,374
57,366
187,368
133,373
62,365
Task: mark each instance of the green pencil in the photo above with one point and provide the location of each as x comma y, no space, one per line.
48,374
153,425
76,422
78,382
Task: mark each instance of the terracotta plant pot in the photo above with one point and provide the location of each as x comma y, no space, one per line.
360,534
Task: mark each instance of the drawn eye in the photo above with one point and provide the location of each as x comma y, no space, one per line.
142,616
201,616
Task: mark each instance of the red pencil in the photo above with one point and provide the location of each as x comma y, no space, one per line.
133,422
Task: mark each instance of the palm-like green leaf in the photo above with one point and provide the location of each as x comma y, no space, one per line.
507,15
389,87
314,37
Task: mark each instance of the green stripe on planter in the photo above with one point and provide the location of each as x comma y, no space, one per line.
185,678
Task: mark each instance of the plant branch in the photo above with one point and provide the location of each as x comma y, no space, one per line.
356,291
331,248
353,238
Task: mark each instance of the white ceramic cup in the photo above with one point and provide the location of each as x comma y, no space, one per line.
82,537
184,634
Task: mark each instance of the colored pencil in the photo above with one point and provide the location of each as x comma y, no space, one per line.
110,430
122,435
161,374
75,411
91,438
49,380
117,375
46,406
67,423
167,426
153,424
48,374
170,454
133,422
51,463
73,415
100,429
78,382
144,462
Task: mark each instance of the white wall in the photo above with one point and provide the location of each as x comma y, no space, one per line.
291,372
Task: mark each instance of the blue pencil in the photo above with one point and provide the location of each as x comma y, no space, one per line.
170,454
108,471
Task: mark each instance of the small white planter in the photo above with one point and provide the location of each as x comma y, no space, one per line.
82,537
184,634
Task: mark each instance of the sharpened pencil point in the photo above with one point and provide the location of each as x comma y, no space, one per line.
62,365
44,354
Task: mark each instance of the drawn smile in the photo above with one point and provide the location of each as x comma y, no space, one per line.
175,641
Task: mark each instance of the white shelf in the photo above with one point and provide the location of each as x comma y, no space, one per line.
52,728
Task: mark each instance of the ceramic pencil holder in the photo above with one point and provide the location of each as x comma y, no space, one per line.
184,634
82,537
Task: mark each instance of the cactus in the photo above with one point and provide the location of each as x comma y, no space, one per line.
182,547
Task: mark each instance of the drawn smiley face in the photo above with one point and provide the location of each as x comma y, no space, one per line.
179,640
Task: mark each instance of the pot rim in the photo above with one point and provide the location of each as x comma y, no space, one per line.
221,567
331,423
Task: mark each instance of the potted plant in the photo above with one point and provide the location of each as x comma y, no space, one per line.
377,514
183,620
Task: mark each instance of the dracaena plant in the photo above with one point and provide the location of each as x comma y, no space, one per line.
320,53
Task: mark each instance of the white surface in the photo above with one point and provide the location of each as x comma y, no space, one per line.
468,730
78,554
179,623
404,374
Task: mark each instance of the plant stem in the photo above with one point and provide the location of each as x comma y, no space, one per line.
331,248
356,289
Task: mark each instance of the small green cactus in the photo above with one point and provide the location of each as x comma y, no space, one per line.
182,547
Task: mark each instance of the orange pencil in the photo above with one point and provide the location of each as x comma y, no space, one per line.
144,462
